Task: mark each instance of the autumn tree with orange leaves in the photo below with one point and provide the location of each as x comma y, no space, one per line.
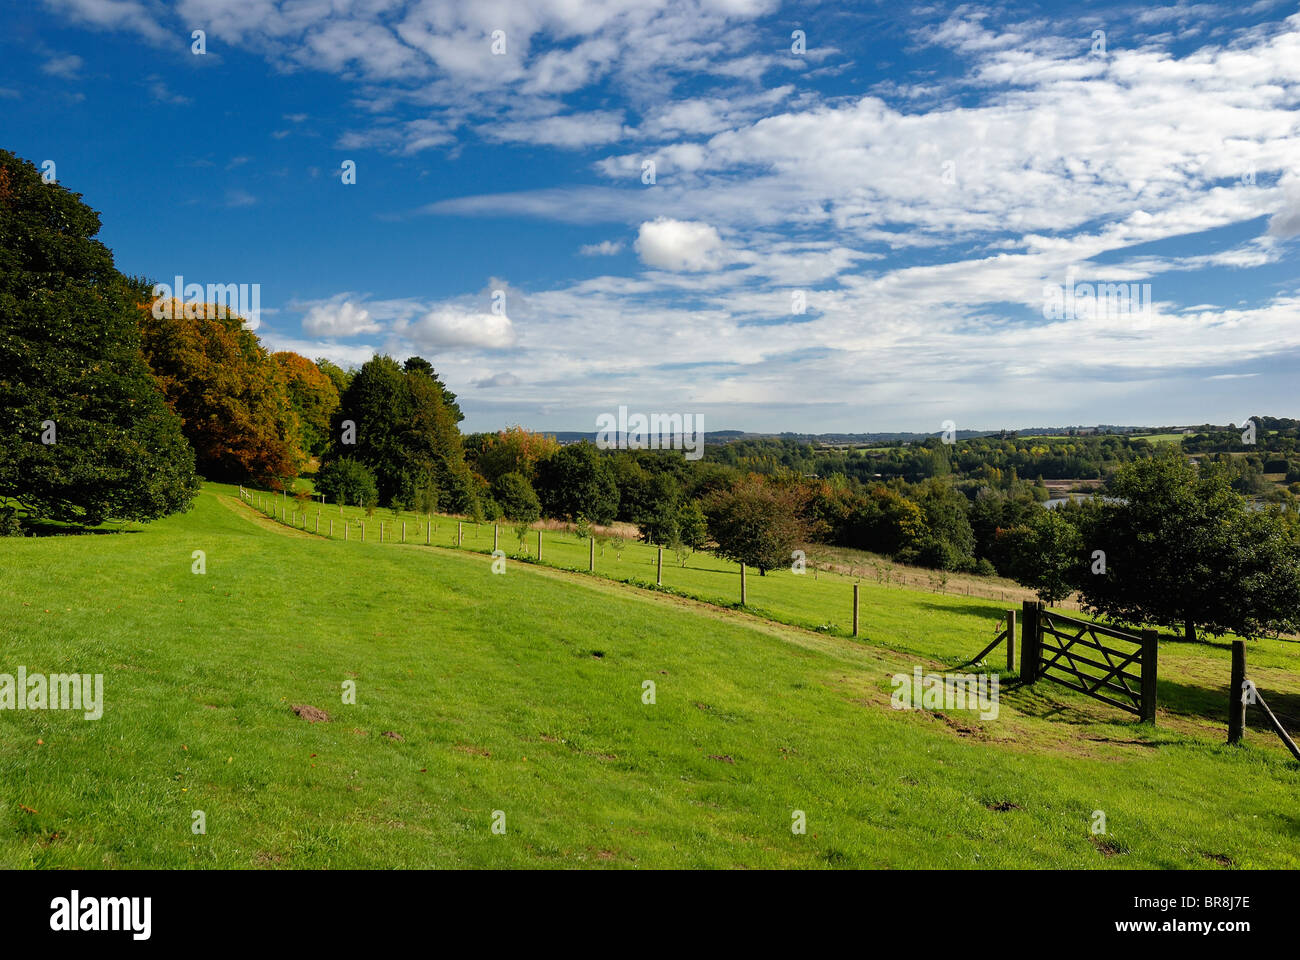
514,450
233,398
313,396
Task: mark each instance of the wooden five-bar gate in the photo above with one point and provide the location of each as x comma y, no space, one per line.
1107,664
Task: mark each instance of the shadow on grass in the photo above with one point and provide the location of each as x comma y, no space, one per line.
962,607
1212,704
51,529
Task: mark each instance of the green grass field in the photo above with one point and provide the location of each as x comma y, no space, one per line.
818,600
1160,437
522,693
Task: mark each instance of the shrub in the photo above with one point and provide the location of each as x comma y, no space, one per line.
348,481
516,498
10,525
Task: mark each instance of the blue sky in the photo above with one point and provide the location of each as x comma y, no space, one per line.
920,178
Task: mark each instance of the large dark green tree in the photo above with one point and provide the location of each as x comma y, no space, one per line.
1182,549
71,372
399,422
578,482
659,514
1045,553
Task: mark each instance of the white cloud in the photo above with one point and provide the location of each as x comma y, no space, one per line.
606,248
338,317
114,15
679,245
67,67
572,131
451,327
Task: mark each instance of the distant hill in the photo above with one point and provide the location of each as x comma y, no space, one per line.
901,436
710,436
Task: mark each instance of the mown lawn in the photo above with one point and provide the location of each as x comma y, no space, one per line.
522,693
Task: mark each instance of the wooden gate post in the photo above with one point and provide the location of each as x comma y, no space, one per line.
1011,641
659,568
1150,648
1029,641
1236,702
742,584
855,609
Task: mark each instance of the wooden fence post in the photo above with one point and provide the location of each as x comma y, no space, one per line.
1011,641
331,528
363,531
1029,641
426,532
381,531
539,546
659,568
460,532
403,531
591,554
345,530
1236,702
318,521
855,609
496,537
743,597
1150,648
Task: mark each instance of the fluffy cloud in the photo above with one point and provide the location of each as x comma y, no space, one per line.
678,245
338,318
606,248
450,327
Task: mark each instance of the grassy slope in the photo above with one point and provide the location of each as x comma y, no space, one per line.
522,693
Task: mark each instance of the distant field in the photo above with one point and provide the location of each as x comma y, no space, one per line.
1160,437
522,693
